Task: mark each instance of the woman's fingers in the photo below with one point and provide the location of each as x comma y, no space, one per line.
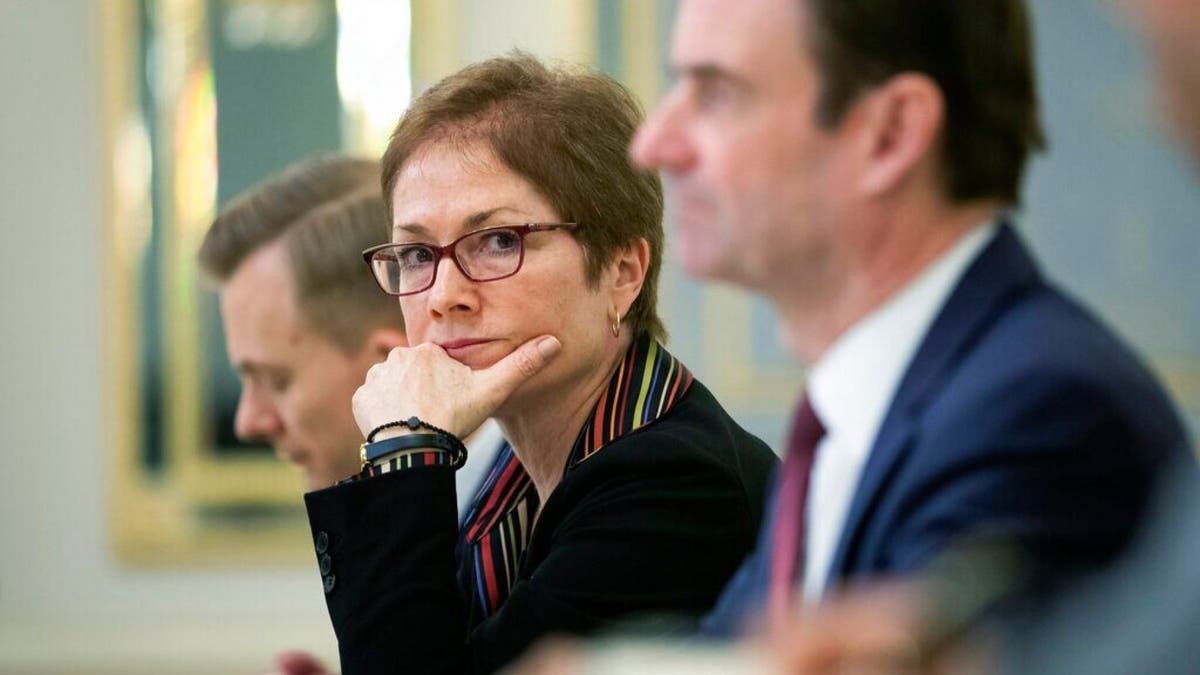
423,381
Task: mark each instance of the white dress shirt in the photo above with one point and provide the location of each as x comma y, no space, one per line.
852,386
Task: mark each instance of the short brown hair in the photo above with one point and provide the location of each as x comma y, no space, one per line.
978,53
567,132
325,210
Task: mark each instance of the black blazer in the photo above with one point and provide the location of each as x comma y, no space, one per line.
656,521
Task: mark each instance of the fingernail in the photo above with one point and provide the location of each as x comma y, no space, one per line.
548,347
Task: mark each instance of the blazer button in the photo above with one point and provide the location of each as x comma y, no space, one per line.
329,582
326,564
322,542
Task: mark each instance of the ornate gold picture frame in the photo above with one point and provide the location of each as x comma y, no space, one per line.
202,99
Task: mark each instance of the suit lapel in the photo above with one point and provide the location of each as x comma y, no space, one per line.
999,276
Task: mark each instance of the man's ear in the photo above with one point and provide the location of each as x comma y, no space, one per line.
631,263
381,341
902,122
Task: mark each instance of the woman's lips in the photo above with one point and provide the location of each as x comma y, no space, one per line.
462,349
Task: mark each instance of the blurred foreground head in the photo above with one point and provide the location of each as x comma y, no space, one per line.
1172,31
799,133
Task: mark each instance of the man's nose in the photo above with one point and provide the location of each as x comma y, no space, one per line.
660,143
257,418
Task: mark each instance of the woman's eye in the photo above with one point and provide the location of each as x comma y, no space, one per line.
500,241
414,256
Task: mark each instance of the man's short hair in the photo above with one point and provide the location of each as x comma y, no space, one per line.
567,132
325,211
978,53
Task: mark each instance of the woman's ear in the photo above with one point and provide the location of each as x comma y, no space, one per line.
631,263
904,118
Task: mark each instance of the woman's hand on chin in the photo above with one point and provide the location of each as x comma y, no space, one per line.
423,381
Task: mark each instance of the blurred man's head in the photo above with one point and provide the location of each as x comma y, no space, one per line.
1172,30
799,129
303,317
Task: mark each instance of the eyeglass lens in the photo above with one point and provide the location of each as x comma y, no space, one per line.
482,256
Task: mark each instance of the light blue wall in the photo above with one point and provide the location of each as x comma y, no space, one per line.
1113,212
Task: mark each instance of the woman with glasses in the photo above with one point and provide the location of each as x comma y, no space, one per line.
525,253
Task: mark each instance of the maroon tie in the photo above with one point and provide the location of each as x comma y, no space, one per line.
787,537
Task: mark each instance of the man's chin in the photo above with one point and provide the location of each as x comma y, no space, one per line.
700,263
697,249
695,266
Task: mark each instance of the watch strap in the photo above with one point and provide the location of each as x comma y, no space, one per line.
378,450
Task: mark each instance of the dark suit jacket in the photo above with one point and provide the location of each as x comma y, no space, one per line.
656,521
1021,416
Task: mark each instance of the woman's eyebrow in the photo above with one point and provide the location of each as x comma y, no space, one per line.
469,223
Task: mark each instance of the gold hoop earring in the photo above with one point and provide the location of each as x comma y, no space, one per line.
616,326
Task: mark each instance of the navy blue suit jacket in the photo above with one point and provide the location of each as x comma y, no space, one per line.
1021,416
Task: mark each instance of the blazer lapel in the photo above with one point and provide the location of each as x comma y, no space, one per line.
1002,273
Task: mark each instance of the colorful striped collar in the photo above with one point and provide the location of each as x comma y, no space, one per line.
647,384
644,387
506,484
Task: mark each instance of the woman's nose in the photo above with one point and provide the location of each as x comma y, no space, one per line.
452,291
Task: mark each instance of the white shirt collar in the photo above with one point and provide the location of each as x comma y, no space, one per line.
852,385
